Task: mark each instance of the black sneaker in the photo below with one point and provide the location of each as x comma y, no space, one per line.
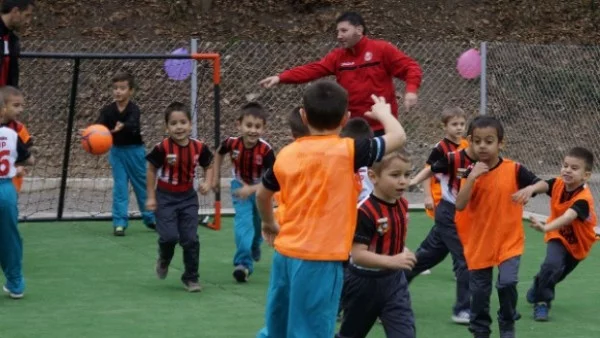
119,231
241,273
162,269
151,226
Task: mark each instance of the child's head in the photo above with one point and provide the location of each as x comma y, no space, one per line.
13,101
299,129
391,175
487,138
577,166
251,122
179,121
325,105
123,85
454,120
357,128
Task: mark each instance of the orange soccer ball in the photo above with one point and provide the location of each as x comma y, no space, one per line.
96,139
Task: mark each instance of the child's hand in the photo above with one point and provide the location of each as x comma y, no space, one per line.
244,192
479,169
522,196
204,188
404,261
118,127
269,232
428,202
151,204
379,109
537,225
21,171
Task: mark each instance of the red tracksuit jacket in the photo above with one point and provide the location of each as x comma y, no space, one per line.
367,68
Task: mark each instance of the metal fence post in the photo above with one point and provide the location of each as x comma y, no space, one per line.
483,79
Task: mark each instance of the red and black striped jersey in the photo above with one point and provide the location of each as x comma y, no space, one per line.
249,164
382,226
450,170
177,164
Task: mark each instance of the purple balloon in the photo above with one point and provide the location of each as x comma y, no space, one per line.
469,64
178,69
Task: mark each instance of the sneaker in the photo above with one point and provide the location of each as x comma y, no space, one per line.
507,334
192,286
426,272
151,226
530,297
540,312
256,253
462,317
119,231
162,269
241,273
12,294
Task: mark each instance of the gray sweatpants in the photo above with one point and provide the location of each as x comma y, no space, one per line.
481,291
443,240
177,222
557,265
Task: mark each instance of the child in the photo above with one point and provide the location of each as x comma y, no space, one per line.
122,118
175,200
14,102
375,284
496,235
445,236
569,231
453,123
250,156
12,151
298,128
358,128
314,175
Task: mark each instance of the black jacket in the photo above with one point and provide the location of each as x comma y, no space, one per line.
14,49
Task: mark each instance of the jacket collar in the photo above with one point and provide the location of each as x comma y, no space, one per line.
359,47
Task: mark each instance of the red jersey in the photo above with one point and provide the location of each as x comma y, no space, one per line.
367,68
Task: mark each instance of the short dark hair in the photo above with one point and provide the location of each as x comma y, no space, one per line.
583,154
481,122
325,103
8,5
10,91
357,128
176,106
354,18
299,129
253,109
401,154
124,76
452,112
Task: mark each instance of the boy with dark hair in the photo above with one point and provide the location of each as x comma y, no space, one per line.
297,126
313,175
127,155
251,156
569,231
358,128
14,103
495,227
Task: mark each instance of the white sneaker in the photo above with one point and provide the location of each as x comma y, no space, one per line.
463,317
426,272
12,295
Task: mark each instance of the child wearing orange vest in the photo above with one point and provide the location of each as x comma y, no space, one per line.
315,225
495,227
569,231
14,102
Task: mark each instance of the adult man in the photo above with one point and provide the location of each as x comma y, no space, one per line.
15,16
363,67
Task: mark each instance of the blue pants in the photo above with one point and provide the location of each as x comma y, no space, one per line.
303,298
128,165
247,228
11,244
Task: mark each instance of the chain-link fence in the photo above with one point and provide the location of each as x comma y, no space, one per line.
545,95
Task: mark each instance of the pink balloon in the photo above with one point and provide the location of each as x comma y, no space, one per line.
469,64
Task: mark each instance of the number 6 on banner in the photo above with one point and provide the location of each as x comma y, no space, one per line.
4,163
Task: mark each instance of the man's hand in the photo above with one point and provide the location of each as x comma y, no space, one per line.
118,127
410,100
269,82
